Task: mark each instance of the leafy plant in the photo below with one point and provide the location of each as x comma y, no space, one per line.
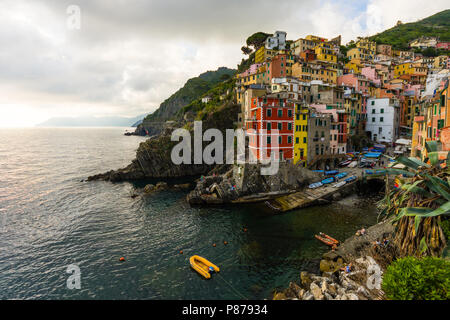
419,203
417,279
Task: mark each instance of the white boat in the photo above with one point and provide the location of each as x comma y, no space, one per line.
339,184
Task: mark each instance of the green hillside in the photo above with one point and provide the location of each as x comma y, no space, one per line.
437,25
193,89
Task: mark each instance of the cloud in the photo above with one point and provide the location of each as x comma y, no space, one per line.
129,56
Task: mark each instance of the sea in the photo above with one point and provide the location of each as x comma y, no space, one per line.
62,237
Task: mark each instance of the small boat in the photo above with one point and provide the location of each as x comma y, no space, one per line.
340,175
339,184
328,237
315,185
331,172
327,241
369,171
202,266
327,180
350,179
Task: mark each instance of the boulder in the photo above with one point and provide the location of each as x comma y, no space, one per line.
308,296
149,188
316,291
305,279
161,186
279,296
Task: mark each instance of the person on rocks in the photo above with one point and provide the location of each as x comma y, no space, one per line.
348,268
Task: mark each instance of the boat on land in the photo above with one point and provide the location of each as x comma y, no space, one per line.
327,180
329,241
331,172
350,179
340,175
203,266
339,184
315,185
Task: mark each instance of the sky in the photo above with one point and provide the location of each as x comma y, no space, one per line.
123,58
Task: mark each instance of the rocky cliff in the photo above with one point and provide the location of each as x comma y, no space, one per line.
193,89
153,157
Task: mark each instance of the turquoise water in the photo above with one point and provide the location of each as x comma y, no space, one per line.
50,219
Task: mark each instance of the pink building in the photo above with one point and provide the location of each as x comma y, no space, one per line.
372,75
357,81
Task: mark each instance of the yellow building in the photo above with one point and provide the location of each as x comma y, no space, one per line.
314,71
262,54
370,46
301,134
360,54
354,66
403,68
324,52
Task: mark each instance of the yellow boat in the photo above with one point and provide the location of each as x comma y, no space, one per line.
201,265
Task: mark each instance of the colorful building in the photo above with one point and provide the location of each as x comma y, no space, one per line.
268,113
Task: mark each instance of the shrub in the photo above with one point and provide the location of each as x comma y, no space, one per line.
417,279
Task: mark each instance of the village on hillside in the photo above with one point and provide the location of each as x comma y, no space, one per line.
327,100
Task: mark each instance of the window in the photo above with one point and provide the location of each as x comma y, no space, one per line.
280,113
381,119
297,140
289,139
304,117
373,111
280,139
289,113
269,112
269,140
269,126
381,110
280,126
304,139
373,119
289,126
373,103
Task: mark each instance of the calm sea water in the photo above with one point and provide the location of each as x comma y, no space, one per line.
50,220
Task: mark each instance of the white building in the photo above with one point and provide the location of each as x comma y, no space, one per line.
278,40
383,119
206,99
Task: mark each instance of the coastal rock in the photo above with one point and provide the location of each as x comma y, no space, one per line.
327,296
161,186
308,296
296,290
352,296
153,156
149,188
330,265
279,296
183,186
316,291
305,279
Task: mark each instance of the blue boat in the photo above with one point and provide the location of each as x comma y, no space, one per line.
331,172
315,185
350,179
369,171
340,175
320,171
327,180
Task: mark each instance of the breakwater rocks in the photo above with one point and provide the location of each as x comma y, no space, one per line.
247,181
366,259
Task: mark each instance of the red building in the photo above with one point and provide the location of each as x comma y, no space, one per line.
443,45
277,67
270,113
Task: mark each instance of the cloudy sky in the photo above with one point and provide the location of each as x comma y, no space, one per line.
128,56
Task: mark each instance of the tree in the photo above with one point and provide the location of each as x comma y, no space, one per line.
420,203
246,50
257,40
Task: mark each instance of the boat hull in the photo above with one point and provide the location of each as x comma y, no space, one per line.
201,265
